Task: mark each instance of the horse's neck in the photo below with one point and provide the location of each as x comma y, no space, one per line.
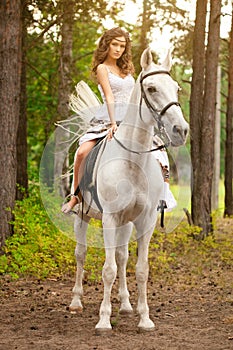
134,131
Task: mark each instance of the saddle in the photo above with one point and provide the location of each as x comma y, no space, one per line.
89,179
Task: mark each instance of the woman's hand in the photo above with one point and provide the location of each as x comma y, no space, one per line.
112,130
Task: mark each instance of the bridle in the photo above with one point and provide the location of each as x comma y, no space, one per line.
157,115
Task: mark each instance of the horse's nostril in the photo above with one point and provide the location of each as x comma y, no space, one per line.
177,129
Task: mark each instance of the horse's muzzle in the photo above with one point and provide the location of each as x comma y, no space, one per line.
180,135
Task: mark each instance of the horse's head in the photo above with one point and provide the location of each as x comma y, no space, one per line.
160,94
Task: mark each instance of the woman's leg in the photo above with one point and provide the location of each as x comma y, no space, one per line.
79,163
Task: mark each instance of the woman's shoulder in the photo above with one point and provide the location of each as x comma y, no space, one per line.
102,68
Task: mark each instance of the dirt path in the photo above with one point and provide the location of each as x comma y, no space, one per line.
34,315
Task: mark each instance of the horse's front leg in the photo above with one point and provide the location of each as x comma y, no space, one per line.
122,254
142,271
80,253
108,275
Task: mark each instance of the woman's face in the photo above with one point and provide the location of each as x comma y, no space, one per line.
117,47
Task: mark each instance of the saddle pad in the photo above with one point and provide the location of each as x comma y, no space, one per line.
88,182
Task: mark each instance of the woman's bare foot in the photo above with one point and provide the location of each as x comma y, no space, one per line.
67,207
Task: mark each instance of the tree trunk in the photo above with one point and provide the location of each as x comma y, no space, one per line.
205,168
229,134
22,174
144,31
196,100
217,147
10,71
145,25
64,91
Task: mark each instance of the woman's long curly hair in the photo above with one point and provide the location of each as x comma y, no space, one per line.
124,62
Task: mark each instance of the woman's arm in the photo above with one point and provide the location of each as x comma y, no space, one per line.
102,77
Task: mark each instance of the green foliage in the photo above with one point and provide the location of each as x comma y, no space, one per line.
192,259
180,251
94,264
42,82
37,248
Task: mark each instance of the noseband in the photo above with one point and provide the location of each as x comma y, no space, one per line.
157,115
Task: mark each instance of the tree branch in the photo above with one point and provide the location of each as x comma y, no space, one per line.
39,74
45,30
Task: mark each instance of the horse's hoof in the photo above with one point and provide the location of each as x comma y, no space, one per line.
75,309
103,331
145,330
125,312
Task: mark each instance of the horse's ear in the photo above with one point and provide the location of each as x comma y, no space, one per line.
167,63
146,58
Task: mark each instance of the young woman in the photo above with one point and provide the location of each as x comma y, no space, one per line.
113,70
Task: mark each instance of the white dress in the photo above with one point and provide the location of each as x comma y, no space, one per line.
162,157
121,89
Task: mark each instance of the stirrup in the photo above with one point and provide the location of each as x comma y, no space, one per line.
162,205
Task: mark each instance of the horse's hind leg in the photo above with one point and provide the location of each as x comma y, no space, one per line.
142,271
80,253
122,254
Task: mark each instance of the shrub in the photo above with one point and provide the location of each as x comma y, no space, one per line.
37,247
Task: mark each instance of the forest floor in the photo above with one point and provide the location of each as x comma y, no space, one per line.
189,311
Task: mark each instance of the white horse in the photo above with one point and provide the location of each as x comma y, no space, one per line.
130,185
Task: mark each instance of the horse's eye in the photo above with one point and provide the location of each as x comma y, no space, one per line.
152,89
